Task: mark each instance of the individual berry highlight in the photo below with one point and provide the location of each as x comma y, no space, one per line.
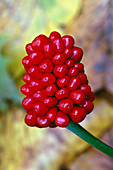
56,86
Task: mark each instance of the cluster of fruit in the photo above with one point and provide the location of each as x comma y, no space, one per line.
56,86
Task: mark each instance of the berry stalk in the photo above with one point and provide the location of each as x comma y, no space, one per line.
89,138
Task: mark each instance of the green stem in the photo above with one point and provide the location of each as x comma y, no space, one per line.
89,138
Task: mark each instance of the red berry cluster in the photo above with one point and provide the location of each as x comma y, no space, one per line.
56,86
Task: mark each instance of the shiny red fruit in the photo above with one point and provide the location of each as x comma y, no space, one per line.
73,84
77,54
51,114
27,78
30,119
40,95
36,58
67,52
88,106
73,72
42,122
54,35
51,89
66,105
34,72
82,77
50,101
62,93
46,66
85,88
29,48
28,103
25,89
48,51
77,114
61,119
91,96
61,82
40,109
48,78
79,66
60,70
70,63
26,61
58,45
36,85
39,42
59,59
68,41
77,96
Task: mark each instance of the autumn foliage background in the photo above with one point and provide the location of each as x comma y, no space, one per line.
90,23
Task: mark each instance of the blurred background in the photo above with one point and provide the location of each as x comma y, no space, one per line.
91,24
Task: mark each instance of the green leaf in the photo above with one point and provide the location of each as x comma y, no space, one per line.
8,89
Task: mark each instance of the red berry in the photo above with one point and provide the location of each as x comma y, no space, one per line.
62,93
79,66
26,61
82,77
67,52
61,82
73,72
60,70
42,121
77,96
68,41
36,84
36,58
77,114
26,78
51,114
48,51
30,119
54,35
46,66
28,103
61,119
58,45
91,96
39,42
59,59
25,89
29,48
34,72
40,95
66,105
50,101
88,106
73,84
77,54
85,88
48,79
40,109
70,63
51,89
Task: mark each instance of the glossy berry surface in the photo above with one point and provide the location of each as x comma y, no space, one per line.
77,96
30,119
56,86
77,114
61,120
88,106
